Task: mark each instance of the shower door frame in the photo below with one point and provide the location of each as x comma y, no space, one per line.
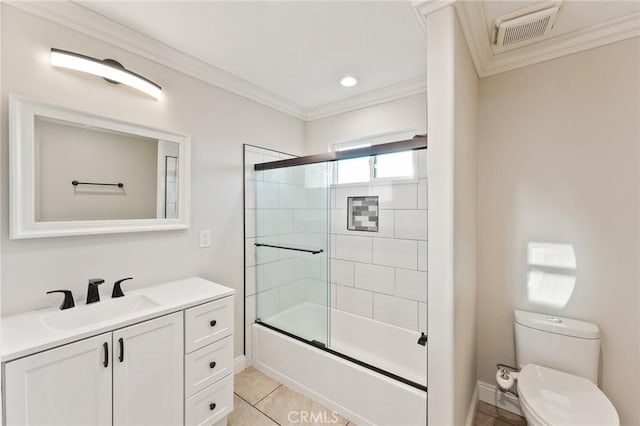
418,142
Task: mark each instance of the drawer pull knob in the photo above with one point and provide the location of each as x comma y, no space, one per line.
213,323
212,364
212,406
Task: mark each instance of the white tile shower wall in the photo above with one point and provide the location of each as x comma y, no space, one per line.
382,275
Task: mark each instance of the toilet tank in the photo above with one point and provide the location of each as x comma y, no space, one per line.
563,344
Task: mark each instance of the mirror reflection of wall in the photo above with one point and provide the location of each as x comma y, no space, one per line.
67,152
169,208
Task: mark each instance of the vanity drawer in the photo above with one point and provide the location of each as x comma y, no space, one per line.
211,404
208,323
207,365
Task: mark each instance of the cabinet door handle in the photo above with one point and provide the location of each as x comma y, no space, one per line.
121,343
212,406
212,364
105,346
213,323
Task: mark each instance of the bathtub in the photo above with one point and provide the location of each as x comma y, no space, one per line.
363,395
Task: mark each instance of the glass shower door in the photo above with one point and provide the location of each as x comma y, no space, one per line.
292,250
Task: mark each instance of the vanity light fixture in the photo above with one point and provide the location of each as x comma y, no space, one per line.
109,69
348,81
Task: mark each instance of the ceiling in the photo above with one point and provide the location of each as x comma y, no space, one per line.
573,16
289,55
580,25
296,50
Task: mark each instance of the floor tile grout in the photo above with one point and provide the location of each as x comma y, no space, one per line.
279,386
259,410
263,413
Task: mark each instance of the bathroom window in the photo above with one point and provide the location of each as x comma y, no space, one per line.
376,168
355,170
396,165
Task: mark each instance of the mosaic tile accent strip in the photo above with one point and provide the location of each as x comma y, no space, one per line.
362,214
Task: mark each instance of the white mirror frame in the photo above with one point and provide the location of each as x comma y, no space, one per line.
22,113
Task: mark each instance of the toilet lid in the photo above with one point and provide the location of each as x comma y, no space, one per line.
562,399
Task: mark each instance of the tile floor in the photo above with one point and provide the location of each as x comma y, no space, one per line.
261,401
488,415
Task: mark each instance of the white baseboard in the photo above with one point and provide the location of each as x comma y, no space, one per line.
239,364
473,406
490,394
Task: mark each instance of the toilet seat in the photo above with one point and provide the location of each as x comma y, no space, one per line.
555,398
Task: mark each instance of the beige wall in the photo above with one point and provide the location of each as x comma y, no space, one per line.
65,153
219,123
408,113
558,161
464,263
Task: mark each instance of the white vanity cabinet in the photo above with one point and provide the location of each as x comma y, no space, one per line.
168,369
133,376
69,385
209,362
148,373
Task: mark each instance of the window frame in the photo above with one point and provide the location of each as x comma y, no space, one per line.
375,140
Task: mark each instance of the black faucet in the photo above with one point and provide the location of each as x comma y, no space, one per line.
68,298
423,339
117,290
92,291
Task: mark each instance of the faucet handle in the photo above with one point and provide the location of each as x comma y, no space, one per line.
93,295
95,281
68,298
117,290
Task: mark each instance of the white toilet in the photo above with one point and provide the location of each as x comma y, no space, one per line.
558,361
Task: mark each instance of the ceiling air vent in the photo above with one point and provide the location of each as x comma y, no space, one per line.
524,26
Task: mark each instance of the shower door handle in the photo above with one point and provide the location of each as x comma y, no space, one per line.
290,248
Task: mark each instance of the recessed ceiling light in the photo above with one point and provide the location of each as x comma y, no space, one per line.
348,81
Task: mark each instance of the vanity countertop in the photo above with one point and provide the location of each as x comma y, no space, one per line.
27,333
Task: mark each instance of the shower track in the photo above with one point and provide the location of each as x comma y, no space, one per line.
417,142
356,361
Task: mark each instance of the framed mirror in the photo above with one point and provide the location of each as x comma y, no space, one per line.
77,173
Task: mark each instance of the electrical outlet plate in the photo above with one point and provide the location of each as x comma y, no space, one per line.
205,239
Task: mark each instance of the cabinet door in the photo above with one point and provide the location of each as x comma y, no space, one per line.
148,378
69,385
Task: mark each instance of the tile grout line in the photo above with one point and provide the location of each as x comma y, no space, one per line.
278,387
265,414
257,409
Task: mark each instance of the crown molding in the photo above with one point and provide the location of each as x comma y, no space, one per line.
386,94
473,23
85,21
430,6
472,20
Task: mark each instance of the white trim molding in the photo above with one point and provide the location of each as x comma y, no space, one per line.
239,364
78,18
490,394
472,19
473,407
374,97
83,20
430,6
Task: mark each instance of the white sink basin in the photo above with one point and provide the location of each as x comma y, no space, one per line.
86,315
